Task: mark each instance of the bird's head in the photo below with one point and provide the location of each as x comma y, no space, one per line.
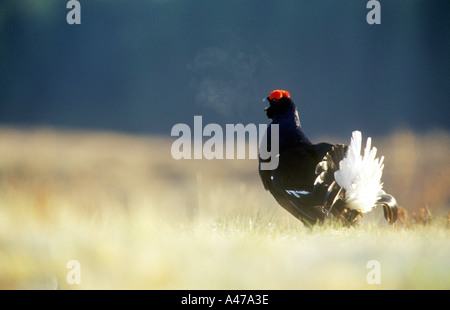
279,103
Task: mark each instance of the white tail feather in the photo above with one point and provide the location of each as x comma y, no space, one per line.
360,176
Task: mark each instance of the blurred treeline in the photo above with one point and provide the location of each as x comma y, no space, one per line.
142,66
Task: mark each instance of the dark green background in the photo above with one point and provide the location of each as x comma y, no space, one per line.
143,66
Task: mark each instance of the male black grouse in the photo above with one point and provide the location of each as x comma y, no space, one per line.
318,181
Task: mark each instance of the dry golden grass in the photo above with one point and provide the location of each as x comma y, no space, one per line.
135,218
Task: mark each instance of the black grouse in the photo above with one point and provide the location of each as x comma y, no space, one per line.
318,181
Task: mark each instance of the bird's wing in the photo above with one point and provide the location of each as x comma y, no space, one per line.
291,183
295,170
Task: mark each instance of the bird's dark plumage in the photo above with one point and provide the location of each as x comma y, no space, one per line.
303,182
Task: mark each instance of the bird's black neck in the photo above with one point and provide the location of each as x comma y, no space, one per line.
290,130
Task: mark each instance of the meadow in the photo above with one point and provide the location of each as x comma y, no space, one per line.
132,217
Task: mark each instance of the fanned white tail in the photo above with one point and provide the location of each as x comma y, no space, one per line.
360,176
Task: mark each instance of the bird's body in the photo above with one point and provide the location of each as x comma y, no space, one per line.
315,181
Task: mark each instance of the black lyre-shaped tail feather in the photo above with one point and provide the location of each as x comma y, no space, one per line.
390,207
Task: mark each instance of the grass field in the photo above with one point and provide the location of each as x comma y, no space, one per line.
134,218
